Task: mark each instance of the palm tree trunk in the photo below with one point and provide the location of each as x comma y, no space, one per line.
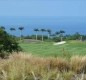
36,37
42,38
20,35
61,38
81,38
61,35
48,36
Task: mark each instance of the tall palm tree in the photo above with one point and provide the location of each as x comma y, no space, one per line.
36,30
61,34
49,33
57,33
81,37
12,29
42,30
21,29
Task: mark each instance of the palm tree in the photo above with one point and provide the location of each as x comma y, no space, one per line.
21,29
42,30
12,29
81,38
57,33
49,33
61,34
36,30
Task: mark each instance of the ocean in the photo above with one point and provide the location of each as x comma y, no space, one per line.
70,24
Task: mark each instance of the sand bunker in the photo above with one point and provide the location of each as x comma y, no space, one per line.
59,43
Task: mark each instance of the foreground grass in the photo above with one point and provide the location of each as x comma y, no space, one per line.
27,67
48,49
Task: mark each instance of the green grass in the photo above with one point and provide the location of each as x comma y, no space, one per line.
48,49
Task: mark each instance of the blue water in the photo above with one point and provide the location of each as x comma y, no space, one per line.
69,24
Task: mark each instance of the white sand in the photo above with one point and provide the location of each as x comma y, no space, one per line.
59,43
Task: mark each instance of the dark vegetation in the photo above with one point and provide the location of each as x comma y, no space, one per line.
8,43
57,37
48,35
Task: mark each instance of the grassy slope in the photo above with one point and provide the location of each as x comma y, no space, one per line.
48,49
27,67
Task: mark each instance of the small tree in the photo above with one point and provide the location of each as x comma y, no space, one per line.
8,44
77,36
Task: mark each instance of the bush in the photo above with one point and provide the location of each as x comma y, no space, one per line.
7,44
56,39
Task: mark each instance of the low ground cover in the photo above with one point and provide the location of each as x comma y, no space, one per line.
28,67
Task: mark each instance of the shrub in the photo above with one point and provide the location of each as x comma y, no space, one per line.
7,44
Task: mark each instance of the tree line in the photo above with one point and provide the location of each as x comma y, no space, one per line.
56,36
14,29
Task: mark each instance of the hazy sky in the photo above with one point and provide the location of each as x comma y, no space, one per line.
42,7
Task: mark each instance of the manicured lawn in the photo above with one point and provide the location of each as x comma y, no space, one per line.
48,49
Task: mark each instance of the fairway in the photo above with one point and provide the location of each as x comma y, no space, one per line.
48,49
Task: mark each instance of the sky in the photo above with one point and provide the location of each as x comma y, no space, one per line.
69,15
42,7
